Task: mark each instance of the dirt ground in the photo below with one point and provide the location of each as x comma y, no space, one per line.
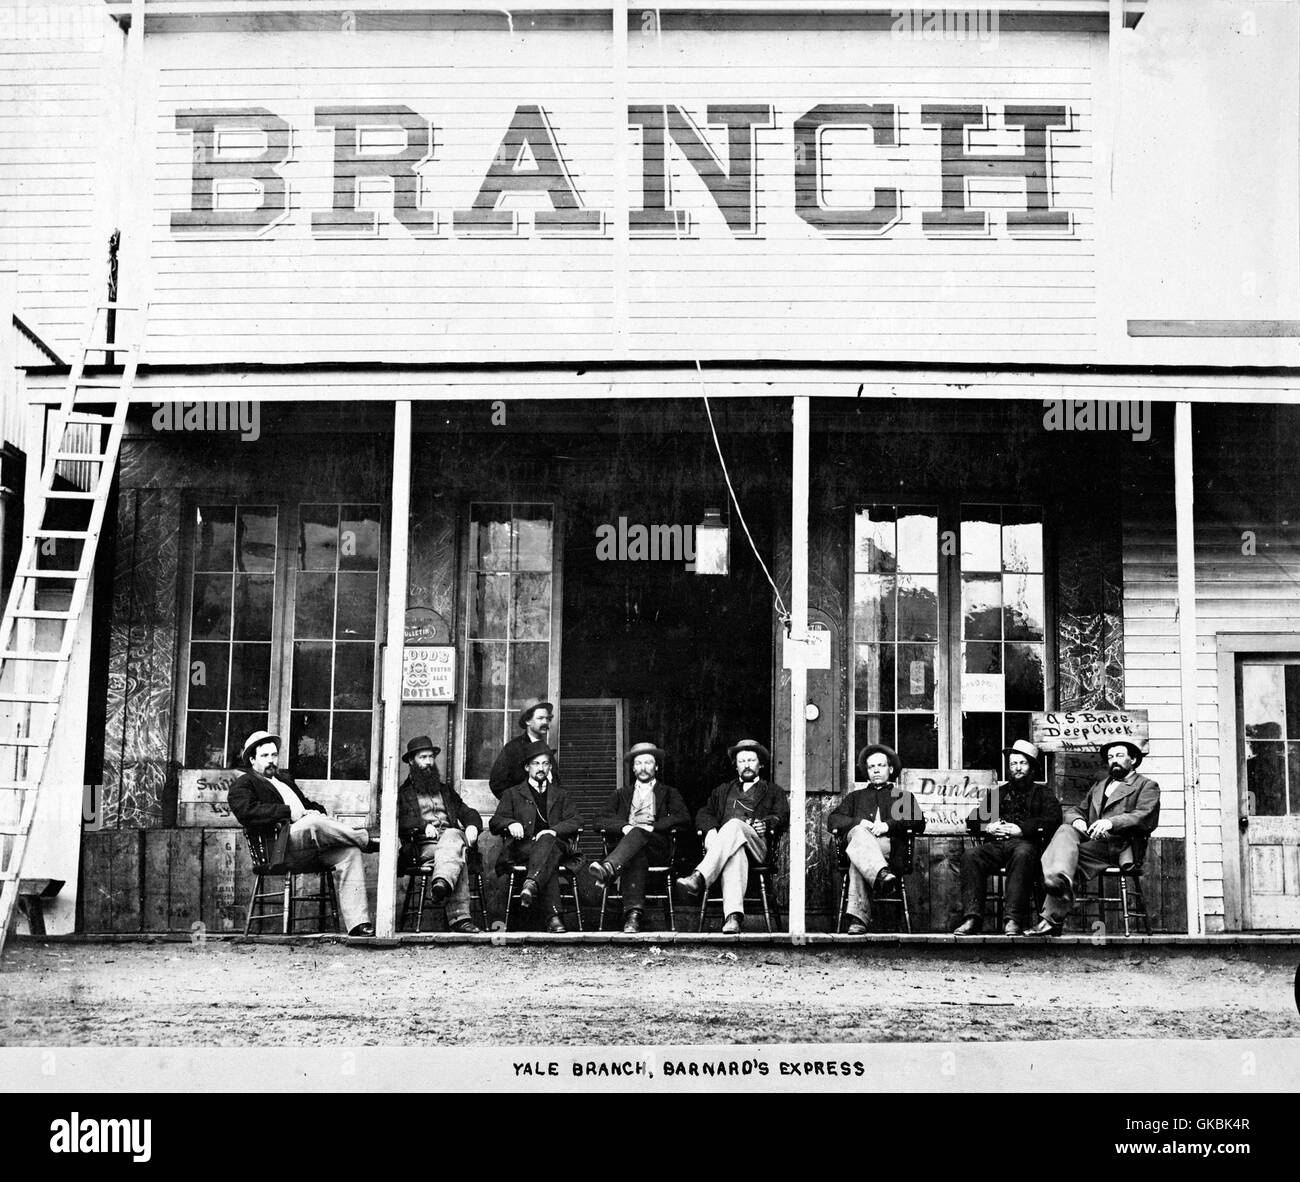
223,994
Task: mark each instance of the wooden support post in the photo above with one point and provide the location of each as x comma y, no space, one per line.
395,636
1186,549
797,647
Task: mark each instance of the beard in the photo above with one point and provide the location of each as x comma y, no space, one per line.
749,773
425,779
1116,772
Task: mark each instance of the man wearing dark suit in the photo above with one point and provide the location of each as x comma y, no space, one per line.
437,829
539,820
873,821
641,814
1109,826
508,769
741,818
1013,822
265,797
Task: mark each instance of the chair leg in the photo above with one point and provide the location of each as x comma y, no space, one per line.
844,903
907,915
333,891
1123,903
604,900
704,903
420,900
476,897
762,893
668,899
510,895
577,903
286,920
407,900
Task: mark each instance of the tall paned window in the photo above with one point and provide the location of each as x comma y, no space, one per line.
335,641
507,623
232,597
1270,712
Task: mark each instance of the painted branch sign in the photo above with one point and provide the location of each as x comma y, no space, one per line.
429,673
947,798
1088,730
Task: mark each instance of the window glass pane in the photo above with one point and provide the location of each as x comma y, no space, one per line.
873,609
311,675
1262,700
489,537
981,608
533,537
313,608
918,541
981,541
357,607
872,728
354,676
214,540
309,734
210,619
874,544
982,657
484,736
318,538
1023,607
1022,539
528,672
1016,726
205,739
874,677
918,740
531,618
350,746
359,537
916,676
1293,766
1024,685
250,676
485,676
254,606
1266,778
209,674
918,607
238,730
981,740
489,606
1292,680
256,535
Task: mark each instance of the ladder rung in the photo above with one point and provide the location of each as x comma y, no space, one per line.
34,699
81,456
16,741
59,533
84,416
109,347
70,496
98,383
115,307
71,574
13,830
31,614
18,785
8,875
29,654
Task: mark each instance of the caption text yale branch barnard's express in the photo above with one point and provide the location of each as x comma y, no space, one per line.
706,467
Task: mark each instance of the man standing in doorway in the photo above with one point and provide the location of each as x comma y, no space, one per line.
509,766
265,797
742,817
1108,827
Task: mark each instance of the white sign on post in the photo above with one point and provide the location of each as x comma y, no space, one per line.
429,673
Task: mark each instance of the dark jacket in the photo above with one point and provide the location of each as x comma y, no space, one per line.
770,805
1039,821
509,768
257,805
1133,813
517,805
410,820
899,809
670,809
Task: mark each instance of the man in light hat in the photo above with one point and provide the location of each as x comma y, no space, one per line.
535,721
872,821
265,797
742,816
642,814
1013,822
437,829
541,822
1109,826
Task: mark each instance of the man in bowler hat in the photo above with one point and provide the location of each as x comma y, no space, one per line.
873,820
641,813
437,829
1109,826
742,816
535,722
1012,824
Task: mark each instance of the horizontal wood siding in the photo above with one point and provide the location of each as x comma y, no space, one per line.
786,290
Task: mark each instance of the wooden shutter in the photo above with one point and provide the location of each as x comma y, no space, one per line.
591,758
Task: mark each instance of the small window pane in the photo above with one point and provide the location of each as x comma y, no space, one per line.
531,618
918,542
1023,607
1293,764
873,611
533,537
1024,683
209,676
350,746
254,606
918,607
982,657
312,674
211,614
916,676
214,539
1266,778
1022,540
872,728
918,740
1016,726
318,540
981,608
874,677
981,740
981,538
484,736
359,537
237,732
1292,680
528,674
354,676
309,735
313,609
205,740
257,540
489,606
250,676
489,538
485,678
1263,700
875,548
357,607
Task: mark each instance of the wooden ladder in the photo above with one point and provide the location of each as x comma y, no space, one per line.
61,528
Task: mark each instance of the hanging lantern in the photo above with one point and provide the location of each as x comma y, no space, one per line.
712,545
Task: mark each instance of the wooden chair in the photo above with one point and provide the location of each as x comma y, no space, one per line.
760,876
261,842
897,899
610,894
419,881
1127,897
568,877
